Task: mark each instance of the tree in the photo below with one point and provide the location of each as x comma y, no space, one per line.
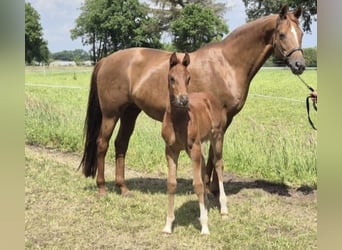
196,26
111,25
76,55
259,8
168,11
310,56
35,46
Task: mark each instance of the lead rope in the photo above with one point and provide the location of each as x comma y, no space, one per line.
313,97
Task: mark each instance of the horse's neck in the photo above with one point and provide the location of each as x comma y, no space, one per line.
248,47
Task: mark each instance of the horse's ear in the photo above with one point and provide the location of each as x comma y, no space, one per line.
173,59
298,12
186,60
283,11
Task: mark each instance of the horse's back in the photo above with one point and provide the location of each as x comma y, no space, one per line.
134,75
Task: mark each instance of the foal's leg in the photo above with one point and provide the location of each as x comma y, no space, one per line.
211,186
172,159
107,126
217,147
127,123
196,158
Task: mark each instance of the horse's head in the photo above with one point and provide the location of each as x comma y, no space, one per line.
287,40
178,81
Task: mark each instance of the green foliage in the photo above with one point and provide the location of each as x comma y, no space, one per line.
310,55
109,26
259,8
195,27
168,11
71,55
35,46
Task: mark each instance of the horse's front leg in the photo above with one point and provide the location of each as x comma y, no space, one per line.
172,159
196,158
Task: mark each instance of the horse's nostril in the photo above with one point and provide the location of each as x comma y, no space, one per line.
300,65
184,100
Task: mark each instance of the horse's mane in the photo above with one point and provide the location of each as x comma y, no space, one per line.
243,29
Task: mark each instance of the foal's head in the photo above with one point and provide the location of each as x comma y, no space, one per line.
178,81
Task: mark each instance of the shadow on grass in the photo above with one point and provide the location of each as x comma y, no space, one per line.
184,186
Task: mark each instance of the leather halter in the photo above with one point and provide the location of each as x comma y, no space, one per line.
285,54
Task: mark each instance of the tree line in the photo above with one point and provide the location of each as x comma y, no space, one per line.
110,25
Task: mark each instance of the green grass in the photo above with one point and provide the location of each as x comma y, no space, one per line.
62,211
269,139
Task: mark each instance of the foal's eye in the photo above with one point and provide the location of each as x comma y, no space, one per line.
188,80
282,36
172,80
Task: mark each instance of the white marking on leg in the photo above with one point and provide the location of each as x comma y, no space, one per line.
204,219
223,199
168,225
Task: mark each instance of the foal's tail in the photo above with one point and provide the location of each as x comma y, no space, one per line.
92,127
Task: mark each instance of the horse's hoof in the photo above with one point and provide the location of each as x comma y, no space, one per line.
102,193
128,194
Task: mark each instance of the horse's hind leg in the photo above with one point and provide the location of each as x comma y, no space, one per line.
127,123
106,131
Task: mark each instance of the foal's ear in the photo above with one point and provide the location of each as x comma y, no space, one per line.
186,60
283,11
298,12
173,60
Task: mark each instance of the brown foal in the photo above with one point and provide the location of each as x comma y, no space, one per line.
189,120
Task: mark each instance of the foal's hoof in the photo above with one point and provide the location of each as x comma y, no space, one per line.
167,231
224,216
205,232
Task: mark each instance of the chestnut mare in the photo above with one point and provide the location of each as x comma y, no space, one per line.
189,120
131,80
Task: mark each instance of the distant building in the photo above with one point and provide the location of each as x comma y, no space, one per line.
62,63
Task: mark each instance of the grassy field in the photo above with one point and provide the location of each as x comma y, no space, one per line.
62,211
270,174
270,138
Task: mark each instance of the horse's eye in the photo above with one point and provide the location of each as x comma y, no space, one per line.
172,80
282,36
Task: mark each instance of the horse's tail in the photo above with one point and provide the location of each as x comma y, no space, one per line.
92,127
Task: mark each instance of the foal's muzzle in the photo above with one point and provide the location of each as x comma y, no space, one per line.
183,101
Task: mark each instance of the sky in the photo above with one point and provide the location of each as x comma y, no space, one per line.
58,17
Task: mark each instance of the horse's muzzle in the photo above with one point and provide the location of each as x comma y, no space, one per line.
298,68
297,65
